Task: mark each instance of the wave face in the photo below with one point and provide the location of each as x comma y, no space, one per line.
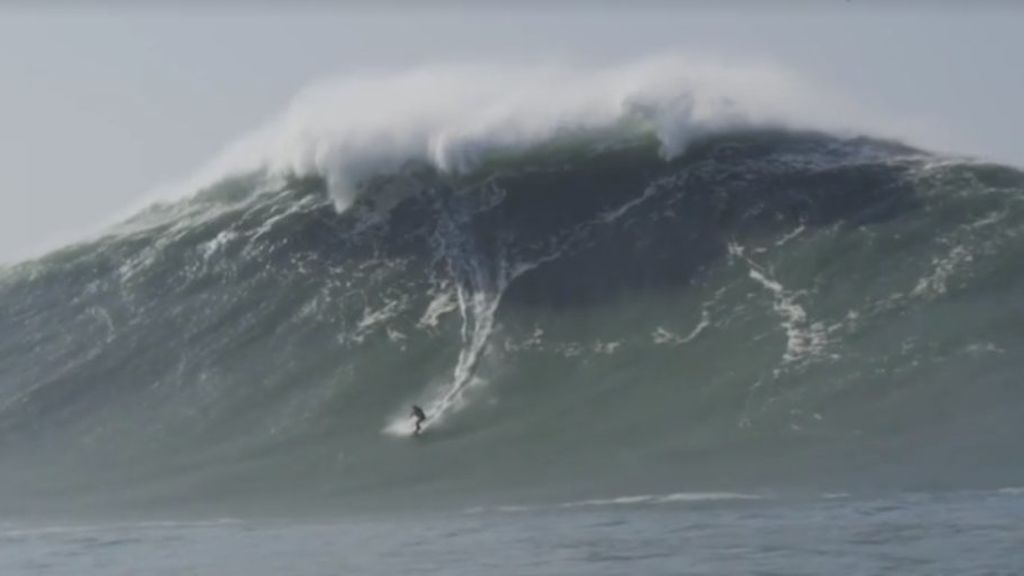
767,311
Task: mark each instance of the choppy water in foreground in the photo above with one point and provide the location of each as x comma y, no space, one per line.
926,534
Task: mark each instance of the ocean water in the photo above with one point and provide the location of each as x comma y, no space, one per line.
641,350
769,311
912,534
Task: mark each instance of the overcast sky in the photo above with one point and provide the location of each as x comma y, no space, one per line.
100,105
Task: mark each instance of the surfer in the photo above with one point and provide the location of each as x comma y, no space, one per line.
420,417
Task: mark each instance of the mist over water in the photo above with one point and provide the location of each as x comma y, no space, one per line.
455,117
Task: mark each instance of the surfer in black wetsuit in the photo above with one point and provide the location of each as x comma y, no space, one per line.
420,417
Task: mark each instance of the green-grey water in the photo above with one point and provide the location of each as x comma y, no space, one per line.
912,534
777,353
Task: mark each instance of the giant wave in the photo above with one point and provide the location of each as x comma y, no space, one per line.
587,311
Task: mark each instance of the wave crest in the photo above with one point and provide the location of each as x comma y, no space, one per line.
453,117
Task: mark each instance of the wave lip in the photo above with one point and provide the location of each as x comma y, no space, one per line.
456,117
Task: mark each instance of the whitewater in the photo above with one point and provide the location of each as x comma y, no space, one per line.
695,302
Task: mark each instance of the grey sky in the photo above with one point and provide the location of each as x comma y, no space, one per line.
101,105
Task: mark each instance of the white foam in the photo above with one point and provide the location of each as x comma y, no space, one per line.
101,314
654,499
13,530
442,304
613,215
785,239
452,116
376,318
664,336
383,314
534,342
221,240
400,426
992,218
602,347
804,339
935,283
631,500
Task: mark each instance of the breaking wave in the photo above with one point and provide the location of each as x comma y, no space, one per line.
608,283
457,117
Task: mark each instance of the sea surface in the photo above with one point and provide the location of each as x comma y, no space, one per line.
910,534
